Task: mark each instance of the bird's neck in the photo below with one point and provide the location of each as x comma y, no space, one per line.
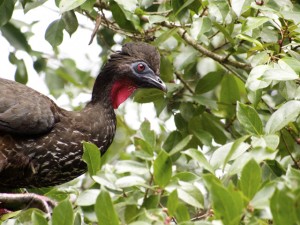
111,92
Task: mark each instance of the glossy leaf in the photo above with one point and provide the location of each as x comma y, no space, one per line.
182,213
38,219
67,5
181,145
162,167
92,157
283,208
209,82
54,32
254,22
28,5
63,213
287,113
251,179
70,21
15,37
6,10
172,202
21,74
147,133
200,158
105,210
249,118
120,16
229,95
239,6
87,197
148,95
227,203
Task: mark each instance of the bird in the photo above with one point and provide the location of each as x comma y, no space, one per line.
41,143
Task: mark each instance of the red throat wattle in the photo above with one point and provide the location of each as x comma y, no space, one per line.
120,91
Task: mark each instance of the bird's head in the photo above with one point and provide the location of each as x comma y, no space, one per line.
135,66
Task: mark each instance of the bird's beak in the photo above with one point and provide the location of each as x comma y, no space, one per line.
151,80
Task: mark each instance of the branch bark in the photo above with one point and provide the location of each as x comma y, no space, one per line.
221,59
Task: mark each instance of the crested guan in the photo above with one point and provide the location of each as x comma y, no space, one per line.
41,143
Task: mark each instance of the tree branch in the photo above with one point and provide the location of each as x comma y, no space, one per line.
221,59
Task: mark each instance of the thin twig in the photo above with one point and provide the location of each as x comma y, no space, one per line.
178,75
288,150
221,59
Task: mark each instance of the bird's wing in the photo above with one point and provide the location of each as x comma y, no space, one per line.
25,111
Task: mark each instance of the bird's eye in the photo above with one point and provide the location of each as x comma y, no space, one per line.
140,67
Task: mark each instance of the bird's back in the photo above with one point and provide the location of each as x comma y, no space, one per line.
52,155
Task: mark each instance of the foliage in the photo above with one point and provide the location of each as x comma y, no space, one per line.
232,70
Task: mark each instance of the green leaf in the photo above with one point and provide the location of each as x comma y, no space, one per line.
180,8
172,202
251,179
287,113
131,166
88,5
283,207
293,63
227,152
92,157
225,32
151,202
63,213
270,141
148,95
32,5
129,181
229,95
182,213
87,197
250,39
140,144
147,133
254,22
255,81
249,118
105,210
237,147
200,26
166,69
21,74
280,75
239,6
190,195
164,36
200,158
162,167
54,33
198,131
78,219
209,82
172,140
120,16
177,3
214,127
181,145
38,219
70,21
227,203
203,100
15,37
67,5
6,10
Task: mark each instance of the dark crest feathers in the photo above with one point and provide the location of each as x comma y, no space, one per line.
143,51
